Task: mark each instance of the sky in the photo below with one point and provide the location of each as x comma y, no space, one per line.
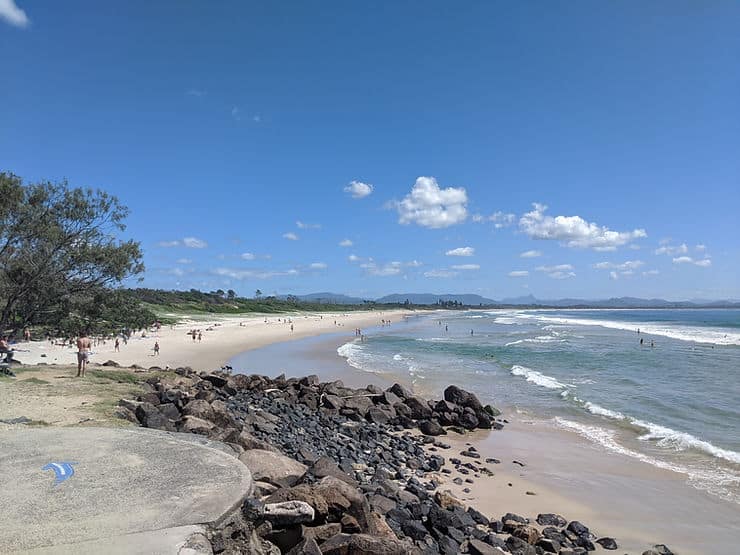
559,149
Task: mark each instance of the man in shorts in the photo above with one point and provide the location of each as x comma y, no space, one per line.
83,353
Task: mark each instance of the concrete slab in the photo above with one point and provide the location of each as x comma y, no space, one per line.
62,486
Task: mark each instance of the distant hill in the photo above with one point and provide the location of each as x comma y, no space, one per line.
430,298
333,298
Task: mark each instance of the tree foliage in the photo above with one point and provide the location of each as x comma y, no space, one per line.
60,254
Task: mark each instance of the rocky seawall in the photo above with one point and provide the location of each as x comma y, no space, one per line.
339,470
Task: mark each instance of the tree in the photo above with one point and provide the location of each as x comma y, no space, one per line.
258,294
231,294
59,252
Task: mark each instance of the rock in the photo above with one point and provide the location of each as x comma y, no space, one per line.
414,529
458,396
306,494
431,428
363,544
551,519
273,467
199,408
263,489
477,547
448,546
446,500
359,404
150,417
492,411
578,529
216,380
288,513
468,420
400,391
324,466
350,525
323,532
529,534
478,517
419,408
333,402
519,546
112,363
170,411
548,545
661,549
248,441
126,414
195,425
380,415
381,503
307,546
608,543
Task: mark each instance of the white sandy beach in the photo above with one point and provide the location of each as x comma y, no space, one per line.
223,337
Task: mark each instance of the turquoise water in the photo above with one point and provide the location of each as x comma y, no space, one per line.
671,402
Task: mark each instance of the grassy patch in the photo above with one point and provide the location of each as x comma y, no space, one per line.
35,381
118,376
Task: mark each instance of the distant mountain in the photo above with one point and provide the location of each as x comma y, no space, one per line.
430,298
330,298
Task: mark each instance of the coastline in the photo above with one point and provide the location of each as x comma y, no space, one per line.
223,338
626,498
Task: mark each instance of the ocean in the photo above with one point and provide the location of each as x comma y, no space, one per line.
666,396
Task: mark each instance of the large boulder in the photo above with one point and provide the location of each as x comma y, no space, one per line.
272,467
150,417
419,408
459,396
288,513
364,544
431,428
200,409
400,391
195,425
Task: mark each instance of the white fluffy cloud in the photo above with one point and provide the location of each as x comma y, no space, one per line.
304,225
624,266
345,243
466,267
651,273
184,261
318,266
672,250
290,236
353,258
358,189
13,14
189,242
561,271
248,256
240,274
531,254
440,274
574,231
519,273
461,251
430,206
499,219
194,243
704,262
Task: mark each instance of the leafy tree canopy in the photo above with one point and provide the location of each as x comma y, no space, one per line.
60,255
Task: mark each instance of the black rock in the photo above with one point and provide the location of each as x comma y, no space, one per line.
431,428
608,543
551,519
400,391
478,517
414,529
578,529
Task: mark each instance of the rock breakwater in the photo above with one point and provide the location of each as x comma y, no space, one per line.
340,470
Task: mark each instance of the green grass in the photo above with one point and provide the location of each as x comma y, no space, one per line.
35,381
118,376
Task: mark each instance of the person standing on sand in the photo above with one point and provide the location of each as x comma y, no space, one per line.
117,346
156,348
83,353
200,336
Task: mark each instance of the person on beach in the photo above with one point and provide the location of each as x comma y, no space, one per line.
117,346
200,336
641,341
27,335
291,328
156,348
83,353
4,345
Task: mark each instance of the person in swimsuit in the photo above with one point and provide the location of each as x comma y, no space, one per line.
83,353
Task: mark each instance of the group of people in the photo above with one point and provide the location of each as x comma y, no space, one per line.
642,339
196,335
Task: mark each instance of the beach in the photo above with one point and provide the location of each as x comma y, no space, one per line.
222,338
556,470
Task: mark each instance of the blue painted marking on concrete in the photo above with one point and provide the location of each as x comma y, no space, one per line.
63,470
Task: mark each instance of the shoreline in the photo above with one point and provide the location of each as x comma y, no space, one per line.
223,338
626,497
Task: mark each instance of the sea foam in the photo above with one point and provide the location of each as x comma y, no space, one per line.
535,377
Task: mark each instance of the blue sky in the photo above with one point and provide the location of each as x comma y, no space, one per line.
442,140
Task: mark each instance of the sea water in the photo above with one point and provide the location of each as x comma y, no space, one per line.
667,396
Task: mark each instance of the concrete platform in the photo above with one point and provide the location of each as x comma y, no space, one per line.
94,487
